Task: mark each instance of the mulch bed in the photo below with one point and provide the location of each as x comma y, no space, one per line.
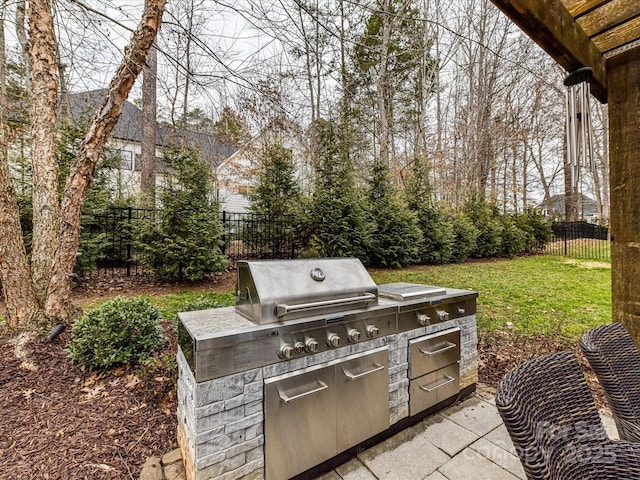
58,422
500,352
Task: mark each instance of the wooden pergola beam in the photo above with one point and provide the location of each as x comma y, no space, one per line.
551,26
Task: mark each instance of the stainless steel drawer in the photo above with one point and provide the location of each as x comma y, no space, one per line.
434,351
434,387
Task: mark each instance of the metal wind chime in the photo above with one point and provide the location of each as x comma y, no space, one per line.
578,123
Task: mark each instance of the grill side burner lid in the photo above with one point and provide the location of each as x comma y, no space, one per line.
271,291
408,291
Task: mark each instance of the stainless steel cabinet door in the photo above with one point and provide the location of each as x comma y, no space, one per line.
300,420
363,397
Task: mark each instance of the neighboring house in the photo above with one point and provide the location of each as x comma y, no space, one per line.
555,207
126,138
237,173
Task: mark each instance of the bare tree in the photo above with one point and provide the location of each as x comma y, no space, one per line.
149,130
38,294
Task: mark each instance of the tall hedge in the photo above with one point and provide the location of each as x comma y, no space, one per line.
184,240
396,235
335,215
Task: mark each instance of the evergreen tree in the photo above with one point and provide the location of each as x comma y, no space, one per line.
275,200
438,237
486,218
231,129
185,240
397,237
336,215
277,191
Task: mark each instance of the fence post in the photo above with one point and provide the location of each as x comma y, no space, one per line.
129,237
564,235
224,232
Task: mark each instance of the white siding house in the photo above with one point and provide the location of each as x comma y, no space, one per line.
236,174
126,139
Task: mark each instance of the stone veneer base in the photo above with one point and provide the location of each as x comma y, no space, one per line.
220,421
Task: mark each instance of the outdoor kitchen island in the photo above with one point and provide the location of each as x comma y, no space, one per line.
314,362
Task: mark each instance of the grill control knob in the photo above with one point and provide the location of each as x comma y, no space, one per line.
286,352
372,331
333,340
353,335
424,319
298,347
443,316
311,345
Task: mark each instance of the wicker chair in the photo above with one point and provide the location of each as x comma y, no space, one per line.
615,360
550,414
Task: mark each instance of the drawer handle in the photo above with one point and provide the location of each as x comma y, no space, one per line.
448,346
447,382
356,376
286,399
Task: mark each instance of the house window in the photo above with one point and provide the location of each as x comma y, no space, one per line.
127,160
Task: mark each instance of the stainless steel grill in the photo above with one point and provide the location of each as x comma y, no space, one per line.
275,291
289,310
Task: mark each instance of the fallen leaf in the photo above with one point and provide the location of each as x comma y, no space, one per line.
28,393
102,466
94,392
132,381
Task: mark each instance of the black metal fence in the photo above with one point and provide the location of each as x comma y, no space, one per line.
254,236
119,255
580,240
245,236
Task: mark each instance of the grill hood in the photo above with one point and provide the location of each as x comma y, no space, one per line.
271,291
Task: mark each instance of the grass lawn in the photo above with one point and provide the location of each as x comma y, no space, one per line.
538,295
173,303
548,295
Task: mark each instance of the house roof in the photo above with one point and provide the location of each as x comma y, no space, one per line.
579,33
128,128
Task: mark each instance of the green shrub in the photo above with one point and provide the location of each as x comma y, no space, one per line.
119,331
397,237
515,241
438,235
537,227
465,238
486,218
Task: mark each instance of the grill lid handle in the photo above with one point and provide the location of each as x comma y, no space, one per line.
283,309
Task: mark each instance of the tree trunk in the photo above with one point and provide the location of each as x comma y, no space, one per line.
382,84
149,131
21,33
58,302
44,104
19,295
